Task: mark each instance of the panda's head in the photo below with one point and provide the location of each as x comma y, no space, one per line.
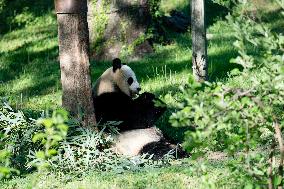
125,78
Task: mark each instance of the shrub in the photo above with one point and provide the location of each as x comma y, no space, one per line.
245,115
14,142
24,18
46,145
89,150
55,130
2,5
5,169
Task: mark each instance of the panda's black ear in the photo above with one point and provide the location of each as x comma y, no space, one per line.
116,64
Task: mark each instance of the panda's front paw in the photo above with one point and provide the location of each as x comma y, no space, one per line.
147,96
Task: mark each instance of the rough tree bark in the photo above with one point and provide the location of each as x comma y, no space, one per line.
73,36
199,44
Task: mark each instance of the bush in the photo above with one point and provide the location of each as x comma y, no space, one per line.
2,5
244,115
15,140
46,145
55,130
5,169
24,18
89,150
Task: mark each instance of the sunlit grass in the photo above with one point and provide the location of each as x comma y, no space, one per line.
30,81
30,69
172,177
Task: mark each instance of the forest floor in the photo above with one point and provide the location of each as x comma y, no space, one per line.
30,81
30,72
179,176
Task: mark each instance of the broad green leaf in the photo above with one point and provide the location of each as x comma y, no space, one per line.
40,155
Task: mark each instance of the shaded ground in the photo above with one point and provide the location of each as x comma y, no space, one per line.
30,73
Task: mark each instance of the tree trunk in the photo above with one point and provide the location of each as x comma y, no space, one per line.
199,45
73,38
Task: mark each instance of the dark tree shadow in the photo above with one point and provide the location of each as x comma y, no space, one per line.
214,12
276,18
15,62
43,67
15,7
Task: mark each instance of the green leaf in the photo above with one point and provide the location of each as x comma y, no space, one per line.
60,116
57,137
193,83
40,155
4,171
249,186
197,155
38,136
191,79
276,180
52,152
62,127
47,122
235,72
4,154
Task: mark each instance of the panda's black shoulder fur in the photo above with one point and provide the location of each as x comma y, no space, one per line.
134,114
147,113
114,106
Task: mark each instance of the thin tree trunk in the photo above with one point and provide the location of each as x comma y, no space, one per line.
270,168
278,136
199,45
73,38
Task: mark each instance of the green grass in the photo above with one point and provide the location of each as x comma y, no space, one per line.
30,81
30,72
175,176
30,75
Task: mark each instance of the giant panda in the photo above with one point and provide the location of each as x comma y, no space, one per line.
149,141
113,94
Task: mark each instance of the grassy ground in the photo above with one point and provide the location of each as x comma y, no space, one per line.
175,176
30,81
30,78
30,73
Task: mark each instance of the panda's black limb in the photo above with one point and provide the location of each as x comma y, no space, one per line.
161,148
135,114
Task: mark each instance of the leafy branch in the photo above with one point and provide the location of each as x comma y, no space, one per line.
54,132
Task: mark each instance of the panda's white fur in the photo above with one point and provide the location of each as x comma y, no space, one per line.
131,142
111,81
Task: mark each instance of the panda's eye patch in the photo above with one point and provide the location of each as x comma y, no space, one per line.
130,81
